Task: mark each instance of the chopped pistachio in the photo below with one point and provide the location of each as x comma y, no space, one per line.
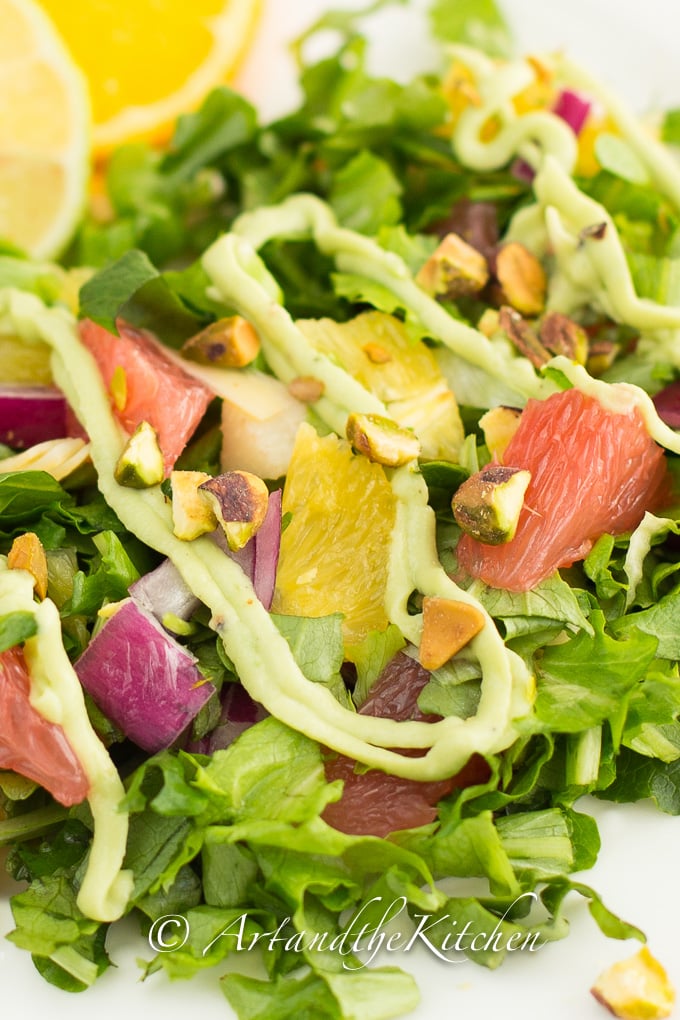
561,335
27,553
239,500
377,354
636,989
601,356
499,426
382,440
228,343
192,514
454,270
523,337
140,465
522,278
448,625
306,388
487,505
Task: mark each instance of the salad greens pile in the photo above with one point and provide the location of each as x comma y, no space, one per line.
233,839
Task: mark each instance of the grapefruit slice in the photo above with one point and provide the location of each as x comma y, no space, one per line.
44,133
29,744
593,472
145,385
376,803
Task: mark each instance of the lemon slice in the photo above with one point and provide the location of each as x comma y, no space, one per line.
147,61
44,133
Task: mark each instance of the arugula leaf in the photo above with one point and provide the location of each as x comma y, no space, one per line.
67,947
15,628
587,680
639,777
365,194
660,621
133,289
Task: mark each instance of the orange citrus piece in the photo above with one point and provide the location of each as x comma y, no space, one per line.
335,550
44,133
147,61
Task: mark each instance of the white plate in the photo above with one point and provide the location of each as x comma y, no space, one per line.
633,46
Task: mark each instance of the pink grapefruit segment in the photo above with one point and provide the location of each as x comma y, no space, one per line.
593,472
29,744
145,385
374,803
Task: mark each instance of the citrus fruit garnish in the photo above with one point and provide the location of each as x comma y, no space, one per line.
147,61
593,472
44,132
378,350
146,386
334,552
29,744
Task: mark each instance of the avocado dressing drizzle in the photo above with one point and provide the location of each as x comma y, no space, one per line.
588,269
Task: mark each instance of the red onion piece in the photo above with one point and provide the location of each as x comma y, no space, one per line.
239,713
30,415
667,404
142,679
259,557
164,591
573,109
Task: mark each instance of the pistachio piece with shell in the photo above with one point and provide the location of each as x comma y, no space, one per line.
487,506
239,501
454,270
381,440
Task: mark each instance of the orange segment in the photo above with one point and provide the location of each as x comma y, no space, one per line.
334,553
44,133
147,61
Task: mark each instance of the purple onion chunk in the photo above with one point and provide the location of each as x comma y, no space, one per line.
164,591
239,713
31,415
572,108
259,557
142,679
667,404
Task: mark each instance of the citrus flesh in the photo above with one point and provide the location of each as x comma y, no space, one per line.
334,552
146,386
593,472
44,133
148,61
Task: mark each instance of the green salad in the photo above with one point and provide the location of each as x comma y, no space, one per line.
339,517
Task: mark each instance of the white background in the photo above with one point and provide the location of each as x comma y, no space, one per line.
633,46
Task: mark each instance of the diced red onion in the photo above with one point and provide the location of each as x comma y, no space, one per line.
164,591
239,713
573,109
30,415
667,404
259,557
142,679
